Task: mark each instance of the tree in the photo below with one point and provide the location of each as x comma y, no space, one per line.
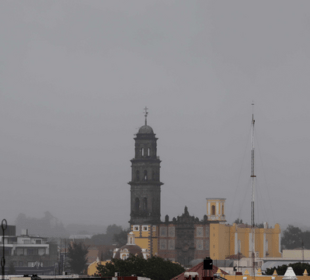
154,267
77,257
11,270
292,237
46,226
108,237
298,268
238,221
259,225
113,229
121,238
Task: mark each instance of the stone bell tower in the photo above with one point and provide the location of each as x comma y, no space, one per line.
145,178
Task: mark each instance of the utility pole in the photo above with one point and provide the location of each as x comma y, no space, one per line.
303,254
253,176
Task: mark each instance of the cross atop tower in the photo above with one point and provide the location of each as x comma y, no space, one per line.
145,114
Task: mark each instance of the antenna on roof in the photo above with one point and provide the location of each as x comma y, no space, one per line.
253,176
145,114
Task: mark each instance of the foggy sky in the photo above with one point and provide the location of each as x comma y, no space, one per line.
76,75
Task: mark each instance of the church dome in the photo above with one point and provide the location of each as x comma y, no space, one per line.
146,129
125,251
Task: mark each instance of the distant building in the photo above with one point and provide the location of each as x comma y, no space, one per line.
228,240
296,254
29,254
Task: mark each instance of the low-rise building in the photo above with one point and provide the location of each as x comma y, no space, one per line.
28,252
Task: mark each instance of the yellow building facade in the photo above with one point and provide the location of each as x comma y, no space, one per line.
92,268
227,240
146,237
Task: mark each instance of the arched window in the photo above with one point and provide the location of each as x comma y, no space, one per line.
213,210
142,152
137,175
148,152
145,175
137,204
145,204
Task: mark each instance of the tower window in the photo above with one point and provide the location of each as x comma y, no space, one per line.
145,175
213,210
148,152
153,175
137,204
137,175
142,152
145,204
222,209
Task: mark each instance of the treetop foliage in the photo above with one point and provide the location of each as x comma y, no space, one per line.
154,267
46,226
77,257
294,237
113,233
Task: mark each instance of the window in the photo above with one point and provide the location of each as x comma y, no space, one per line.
144,203
171,244
223,210
19,251
38,241
137,204
199,231
138,175
171,231
199,244
31,251
145,175
207,231
142,152
148,152
213,210
41,251
163,231
145,228
136,228
163,244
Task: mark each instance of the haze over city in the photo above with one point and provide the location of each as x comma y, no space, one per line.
75,77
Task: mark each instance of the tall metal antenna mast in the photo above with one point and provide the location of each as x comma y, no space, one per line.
253,191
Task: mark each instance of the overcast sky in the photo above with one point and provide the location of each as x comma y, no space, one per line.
76,75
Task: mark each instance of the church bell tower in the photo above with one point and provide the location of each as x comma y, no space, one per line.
145,182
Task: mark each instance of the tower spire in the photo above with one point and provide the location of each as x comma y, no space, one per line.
145,114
